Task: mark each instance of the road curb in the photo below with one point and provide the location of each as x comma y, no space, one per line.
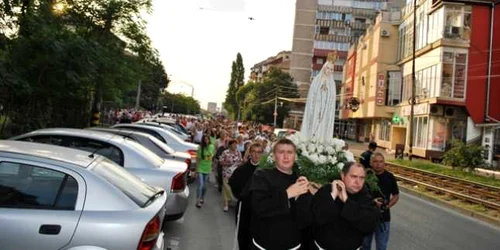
464,211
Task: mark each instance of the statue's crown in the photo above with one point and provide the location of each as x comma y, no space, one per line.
332,57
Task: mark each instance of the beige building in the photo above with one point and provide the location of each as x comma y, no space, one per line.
281,61
372,79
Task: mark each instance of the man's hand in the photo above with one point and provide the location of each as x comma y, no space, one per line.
335,191
301,186
342,191
379,202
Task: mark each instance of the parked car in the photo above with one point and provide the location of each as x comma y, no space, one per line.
167,121
165,136
168,174
150,142
59,198
174,131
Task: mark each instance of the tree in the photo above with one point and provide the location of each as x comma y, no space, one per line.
260,97
463,155
237,81
54,65
180,103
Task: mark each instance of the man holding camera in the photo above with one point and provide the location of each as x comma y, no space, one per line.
386,200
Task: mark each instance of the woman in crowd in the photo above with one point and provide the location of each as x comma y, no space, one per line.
229,160
204,167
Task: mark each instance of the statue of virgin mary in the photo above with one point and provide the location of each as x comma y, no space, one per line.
319,115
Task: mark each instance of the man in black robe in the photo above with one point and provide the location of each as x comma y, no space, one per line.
280,203
240,186
344,212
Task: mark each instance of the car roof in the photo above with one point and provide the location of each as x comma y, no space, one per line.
68,155
85,133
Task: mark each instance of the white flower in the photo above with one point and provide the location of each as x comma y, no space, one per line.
314,158
333,160
349,155
340,165
313,140
303,148
305,153
320,148
295,140
330,150
270,158
322,159
311,148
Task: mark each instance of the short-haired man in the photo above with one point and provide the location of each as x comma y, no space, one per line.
386,200
367,155
280,202
240,186
344,211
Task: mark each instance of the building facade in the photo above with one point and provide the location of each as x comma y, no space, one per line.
325,26
281,61
457,45
212,107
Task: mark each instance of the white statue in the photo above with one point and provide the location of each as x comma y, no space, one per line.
319,115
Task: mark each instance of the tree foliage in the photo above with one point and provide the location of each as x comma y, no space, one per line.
180,103
237,81
55,64
463,155
258,98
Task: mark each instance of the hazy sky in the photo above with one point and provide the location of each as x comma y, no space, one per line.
197,46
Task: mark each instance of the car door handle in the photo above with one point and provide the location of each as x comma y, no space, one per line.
50,229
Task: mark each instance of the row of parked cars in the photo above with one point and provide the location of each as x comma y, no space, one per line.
95,188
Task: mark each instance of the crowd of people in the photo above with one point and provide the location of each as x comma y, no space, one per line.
276,209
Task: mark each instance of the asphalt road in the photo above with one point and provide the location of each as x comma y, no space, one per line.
416,225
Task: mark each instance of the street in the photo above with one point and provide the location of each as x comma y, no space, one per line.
416,225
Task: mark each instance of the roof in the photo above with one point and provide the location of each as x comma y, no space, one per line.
86,133
68,155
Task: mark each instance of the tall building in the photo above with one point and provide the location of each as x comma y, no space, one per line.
324,26
212,107
281,61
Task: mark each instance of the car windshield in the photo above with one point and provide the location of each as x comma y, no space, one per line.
130,185
146,153
162,145
173,136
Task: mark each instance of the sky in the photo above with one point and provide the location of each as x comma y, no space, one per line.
198,39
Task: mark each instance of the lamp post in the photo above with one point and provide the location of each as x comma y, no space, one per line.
413,81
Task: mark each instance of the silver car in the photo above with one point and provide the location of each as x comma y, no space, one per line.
60,198
138,160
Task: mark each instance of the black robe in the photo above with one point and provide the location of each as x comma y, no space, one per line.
278,222
342,226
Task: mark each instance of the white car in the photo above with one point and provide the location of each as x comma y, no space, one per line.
135,158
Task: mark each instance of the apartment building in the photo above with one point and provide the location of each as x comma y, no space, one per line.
324,26
457,45
281,61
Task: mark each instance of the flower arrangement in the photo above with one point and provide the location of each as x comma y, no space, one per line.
320,161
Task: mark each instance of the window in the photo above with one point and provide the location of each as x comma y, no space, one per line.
394,89
407,86
420,134
26,186
457,22
97,147
384,130
45,139
319,61
454,75
324,30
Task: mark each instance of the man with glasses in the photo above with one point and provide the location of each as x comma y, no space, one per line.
240,186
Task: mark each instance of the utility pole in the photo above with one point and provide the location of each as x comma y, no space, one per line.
413,81
275,114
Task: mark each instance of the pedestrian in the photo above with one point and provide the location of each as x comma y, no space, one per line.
204,167
230,159
387,199
344,211
280,202
240,186
367,155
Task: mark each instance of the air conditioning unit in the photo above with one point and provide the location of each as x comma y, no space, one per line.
436,110
452,31
450,112
384,33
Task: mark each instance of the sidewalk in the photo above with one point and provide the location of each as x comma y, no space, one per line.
357,148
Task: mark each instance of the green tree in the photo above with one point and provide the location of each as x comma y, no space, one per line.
463,155
180,103
237,81
259,101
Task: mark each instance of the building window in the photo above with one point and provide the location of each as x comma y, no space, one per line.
324,30
319,61
454,73
407,85
384,130
394,89
420,128
457,22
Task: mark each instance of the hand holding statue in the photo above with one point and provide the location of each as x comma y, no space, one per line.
301,186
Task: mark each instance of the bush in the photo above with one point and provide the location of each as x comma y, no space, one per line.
462,155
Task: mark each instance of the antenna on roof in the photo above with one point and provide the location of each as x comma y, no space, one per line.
92,155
